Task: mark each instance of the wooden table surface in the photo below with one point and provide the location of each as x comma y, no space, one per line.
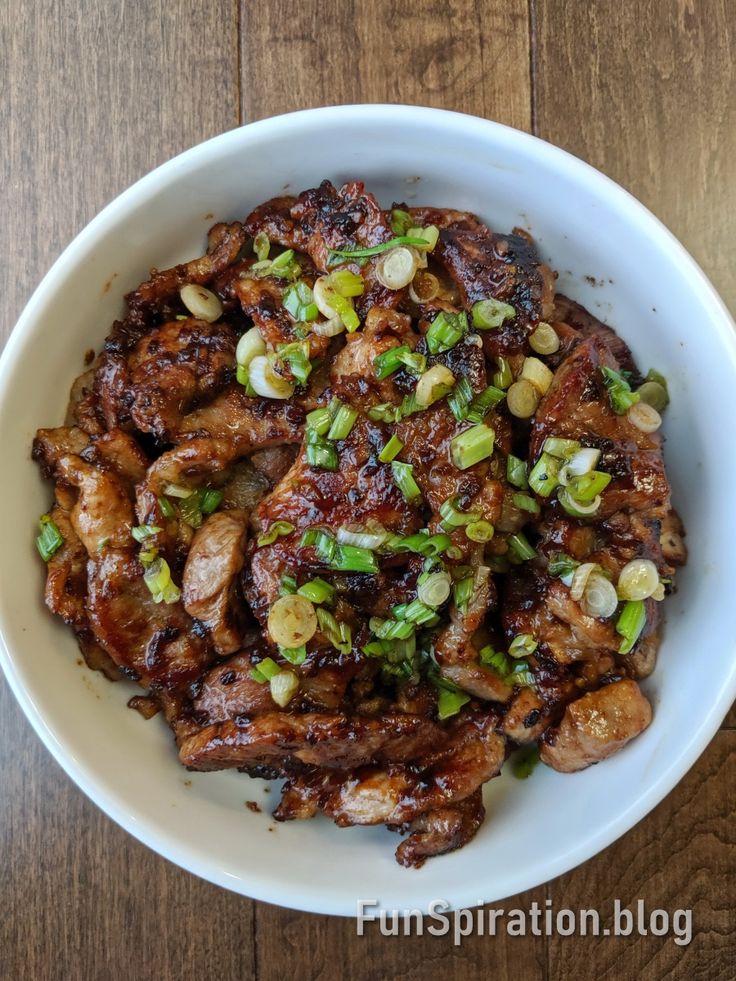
93,96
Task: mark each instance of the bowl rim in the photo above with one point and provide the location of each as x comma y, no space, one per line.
115,805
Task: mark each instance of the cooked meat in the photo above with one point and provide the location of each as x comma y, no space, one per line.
596,726
441,831
350,589
157,644
174,366
209,586
333,741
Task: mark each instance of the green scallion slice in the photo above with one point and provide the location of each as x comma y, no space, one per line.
479,531
587,486
353,558
491,314
167,508
339,634
157,578
296,356
294,655
495,659
504,376
343,422
298,299
391,629
388,362
319,420
544,475
524,761
516,472
483,403
391,450
50,540
630,624
472,446
142,532
401,221
462,591
460,398
378,249
288,586
265,670
320,453
445,331
561,448
416,612
525,502
275,530
561,566
619,391
385,412
450,699
453,517
403,475
317,591
210,501
522,644
261,246
520,547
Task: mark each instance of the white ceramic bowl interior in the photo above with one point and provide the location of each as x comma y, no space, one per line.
614,257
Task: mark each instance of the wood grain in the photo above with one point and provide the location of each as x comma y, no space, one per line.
647,93
467,55
92,97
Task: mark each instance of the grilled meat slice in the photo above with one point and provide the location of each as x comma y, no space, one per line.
174,366
157,644
334,741
443,830
596,726
234,415
210,582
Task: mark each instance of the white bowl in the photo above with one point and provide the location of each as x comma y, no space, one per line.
646,285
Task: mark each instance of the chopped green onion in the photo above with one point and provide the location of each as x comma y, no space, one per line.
588,485
655,390
416,612
429,236
319,420
261,246
524,761
544,475
211,500
265,670
630,624
445,331
298,299
296,356
176,490
320,453
403,475
158,579
391,450
275,530
522,644
434,589
575,508
317,591
190,509
450,699
388,362
401,221
377,249
343,422
520,547
340,635
288,586
453,517
483,403
561,448
479,531
410,405
294,655
472,446
490,314
561,566
385,412
142,532
495,659
282,262
516,472
520,675
50,540
391,629
346,283
423,544
167,508
462,591
352,558
619,391
460,398
525,502
504,376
